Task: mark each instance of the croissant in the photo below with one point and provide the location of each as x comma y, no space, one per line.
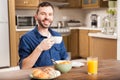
38,73
45,73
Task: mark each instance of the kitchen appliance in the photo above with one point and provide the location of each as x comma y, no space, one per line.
74,23
4,34
62,24
93,18
25,21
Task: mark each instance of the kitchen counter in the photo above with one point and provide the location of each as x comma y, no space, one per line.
101,35
24,29
85,28
66,31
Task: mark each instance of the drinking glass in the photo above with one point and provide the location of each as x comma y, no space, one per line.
92,63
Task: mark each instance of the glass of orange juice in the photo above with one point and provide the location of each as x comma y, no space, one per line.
92,63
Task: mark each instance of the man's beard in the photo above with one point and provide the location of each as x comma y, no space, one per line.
43,26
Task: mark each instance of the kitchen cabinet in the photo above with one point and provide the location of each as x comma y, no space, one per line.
18,35
26,4
54,0
66,3
103,48
94,3
74,4
65,39
73,43
4,34
84,42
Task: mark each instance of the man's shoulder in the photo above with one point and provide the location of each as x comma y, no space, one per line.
29,33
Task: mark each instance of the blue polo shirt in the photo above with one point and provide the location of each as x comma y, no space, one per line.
30,40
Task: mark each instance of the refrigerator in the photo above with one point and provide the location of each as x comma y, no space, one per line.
118,29
4,34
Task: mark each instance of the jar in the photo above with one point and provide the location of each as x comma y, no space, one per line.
109,24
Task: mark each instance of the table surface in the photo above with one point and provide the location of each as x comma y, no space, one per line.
107,70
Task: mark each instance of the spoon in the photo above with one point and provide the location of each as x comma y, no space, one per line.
54,62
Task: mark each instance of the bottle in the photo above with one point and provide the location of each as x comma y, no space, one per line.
98,21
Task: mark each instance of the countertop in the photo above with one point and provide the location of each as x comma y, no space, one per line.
101,35
66,31
84,28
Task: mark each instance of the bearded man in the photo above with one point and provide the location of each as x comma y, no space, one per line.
36,47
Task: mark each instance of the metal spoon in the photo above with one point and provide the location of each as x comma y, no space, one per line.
54,62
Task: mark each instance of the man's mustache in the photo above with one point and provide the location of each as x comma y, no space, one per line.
46,19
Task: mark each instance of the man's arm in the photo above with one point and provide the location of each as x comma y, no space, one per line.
29,61
32,58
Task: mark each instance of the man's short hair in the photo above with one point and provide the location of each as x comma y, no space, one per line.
44,4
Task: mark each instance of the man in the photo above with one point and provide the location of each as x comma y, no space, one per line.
36,48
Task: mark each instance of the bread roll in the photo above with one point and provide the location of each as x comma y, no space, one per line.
52,72
36,73
45,73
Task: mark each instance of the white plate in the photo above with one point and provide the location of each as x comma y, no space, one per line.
57,75
77,64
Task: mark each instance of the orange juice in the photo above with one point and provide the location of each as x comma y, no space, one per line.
92,65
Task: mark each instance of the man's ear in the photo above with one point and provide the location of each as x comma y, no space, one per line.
35,16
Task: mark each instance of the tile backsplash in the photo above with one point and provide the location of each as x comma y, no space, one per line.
100,12
60,14
70,14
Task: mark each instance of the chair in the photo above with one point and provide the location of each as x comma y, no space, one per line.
10,69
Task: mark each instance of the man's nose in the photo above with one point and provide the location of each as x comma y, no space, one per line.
47,16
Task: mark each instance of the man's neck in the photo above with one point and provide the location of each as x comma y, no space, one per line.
44,31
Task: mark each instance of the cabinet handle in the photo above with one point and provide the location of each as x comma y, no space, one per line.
25,2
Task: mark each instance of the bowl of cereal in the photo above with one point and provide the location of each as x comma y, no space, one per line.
63,66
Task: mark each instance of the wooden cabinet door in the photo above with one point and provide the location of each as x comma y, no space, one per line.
83,43
18,35
90,3
86,2
65,39
73,44
103,48
94,3
26,4
75,4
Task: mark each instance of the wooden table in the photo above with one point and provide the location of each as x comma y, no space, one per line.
108,70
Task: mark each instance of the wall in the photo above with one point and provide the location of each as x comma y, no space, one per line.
71,14
100,12
60,14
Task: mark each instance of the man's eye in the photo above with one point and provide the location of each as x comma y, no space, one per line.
42,13
50,14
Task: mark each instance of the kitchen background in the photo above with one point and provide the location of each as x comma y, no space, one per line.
83,15
79,41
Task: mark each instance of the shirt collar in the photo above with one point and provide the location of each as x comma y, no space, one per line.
38,35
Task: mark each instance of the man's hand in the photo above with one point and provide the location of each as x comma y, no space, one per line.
46,44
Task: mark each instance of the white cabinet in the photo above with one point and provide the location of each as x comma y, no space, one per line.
4,34
4,45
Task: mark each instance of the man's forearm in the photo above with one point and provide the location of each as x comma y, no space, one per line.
31,59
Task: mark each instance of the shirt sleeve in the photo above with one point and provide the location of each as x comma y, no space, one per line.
24,49
63,52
